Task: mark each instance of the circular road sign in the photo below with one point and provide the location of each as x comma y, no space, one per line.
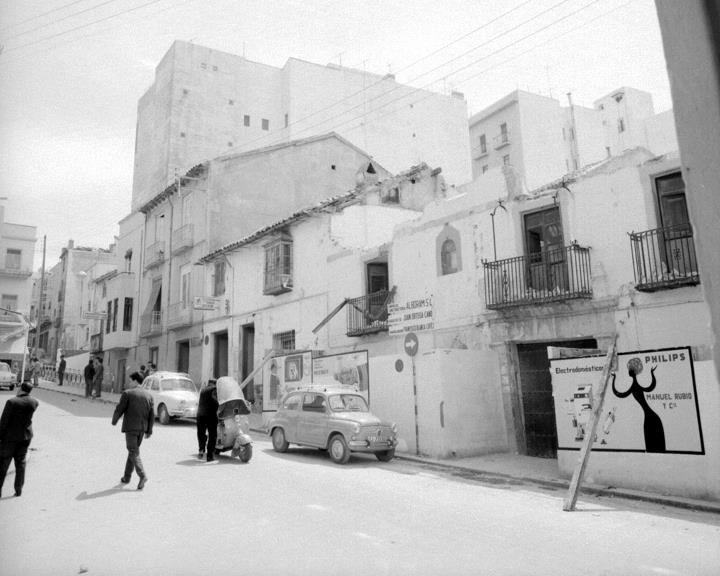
411,344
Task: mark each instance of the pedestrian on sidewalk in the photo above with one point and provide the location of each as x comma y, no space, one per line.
98,377
207,421
61,370
143,371
35,368
89,374
136,409
15,434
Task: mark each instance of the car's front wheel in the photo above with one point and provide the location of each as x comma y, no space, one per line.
338,449
163,414
385,455
280,444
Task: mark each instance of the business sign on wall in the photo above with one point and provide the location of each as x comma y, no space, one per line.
650,405
410,316
284,374
347,369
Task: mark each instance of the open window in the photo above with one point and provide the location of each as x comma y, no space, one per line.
544,249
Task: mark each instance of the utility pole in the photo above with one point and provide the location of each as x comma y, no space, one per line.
40,299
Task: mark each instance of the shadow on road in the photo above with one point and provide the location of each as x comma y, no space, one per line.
220,460
109,492
320,457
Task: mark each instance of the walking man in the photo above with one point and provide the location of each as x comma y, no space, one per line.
61,370
207,421
89,374
98,378
136,408
15,434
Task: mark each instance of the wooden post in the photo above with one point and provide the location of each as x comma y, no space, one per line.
571,499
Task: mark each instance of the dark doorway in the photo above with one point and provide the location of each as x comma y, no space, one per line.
119,386
247,365
536,395
220,358
544,249
183,356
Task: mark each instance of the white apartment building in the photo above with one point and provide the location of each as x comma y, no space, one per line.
540,140
205,103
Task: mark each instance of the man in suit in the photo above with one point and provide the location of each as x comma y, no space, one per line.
15,434
136,408
61,370
98,377
89,374
207,420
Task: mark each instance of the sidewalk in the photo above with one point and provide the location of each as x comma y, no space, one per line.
506,468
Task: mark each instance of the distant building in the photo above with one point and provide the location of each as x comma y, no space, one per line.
540,140
17,250
205,103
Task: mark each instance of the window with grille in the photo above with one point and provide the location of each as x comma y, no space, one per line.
12,259
219,278
127,314
284,340
278,266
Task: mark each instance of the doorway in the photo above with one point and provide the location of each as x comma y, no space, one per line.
120,384
536,397
183,356
220,354
247,355
545,251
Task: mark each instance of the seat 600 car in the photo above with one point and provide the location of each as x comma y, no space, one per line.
7,377
337,420
174,395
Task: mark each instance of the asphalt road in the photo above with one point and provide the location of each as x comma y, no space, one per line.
298,513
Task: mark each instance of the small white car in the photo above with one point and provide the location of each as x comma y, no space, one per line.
174,395
8,378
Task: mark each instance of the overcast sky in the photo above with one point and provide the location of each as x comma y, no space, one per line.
71,73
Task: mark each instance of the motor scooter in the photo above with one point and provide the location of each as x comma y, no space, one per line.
233,423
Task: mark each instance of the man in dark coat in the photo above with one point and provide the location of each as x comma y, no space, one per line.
89,374
98,377
136,408
61,370
207,420
16,433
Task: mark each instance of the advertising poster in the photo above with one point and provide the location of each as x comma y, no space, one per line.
348,369
650,404
283,374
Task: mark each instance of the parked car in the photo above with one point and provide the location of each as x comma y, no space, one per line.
336,420
8,378
174,395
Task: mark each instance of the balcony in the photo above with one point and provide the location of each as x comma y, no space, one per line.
8,317
550,276
664,258
96,342
368,314
502,139
276,283
182,239
15,272
154,255
179,314
151,323
479,152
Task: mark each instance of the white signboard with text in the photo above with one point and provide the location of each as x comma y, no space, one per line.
410,316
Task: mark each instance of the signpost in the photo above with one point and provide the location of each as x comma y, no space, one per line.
411,346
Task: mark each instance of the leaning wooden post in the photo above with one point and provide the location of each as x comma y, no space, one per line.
571,499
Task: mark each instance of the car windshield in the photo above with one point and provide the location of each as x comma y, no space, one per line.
178,384
348,403
4,367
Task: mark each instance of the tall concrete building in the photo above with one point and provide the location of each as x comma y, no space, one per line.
205,103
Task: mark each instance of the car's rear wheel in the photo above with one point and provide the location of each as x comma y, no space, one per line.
280,444
338,449
385,455
163,414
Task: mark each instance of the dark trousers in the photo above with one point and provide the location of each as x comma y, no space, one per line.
98,388
133,441
207,433
14,451
88,387
61,376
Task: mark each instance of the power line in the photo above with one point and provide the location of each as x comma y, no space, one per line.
40,15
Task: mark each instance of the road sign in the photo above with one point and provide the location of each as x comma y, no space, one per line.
411,344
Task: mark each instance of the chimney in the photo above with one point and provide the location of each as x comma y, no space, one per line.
71,244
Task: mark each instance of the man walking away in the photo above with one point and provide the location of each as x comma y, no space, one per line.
61,370
89,374
15,434
136,408
207,420
98,378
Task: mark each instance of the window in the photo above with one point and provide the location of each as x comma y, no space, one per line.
313,403
547,268
108,322
185,285
246,120
621,125
278,266
284,340
448,257
448,251
483,144
484,168
12,259
9,301
607,151
503,133
286,119
506,160
219,278
104,290
127,314
115,315
128,261
265,124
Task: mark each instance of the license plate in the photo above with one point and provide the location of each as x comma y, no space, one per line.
374,439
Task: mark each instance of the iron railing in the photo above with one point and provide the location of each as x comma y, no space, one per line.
368,314
151,322
664,258
502,139
549,276
18,272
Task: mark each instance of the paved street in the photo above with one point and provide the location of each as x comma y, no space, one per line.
297,513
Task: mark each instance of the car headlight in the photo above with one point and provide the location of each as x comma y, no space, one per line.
356,428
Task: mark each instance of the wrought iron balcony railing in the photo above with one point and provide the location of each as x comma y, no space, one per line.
154,254
15,272
368,314
502,139
182,239
549,276
151,323
664,258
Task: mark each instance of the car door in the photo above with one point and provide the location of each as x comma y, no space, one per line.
313,420
288,416
152,385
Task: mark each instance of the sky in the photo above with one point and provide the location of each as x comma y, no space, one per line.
72,71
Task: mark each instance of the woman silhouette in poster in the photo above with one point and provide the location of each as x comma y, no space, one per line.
652,426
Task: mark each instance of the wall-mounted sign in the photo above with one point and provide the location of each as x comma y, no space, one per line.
410,316
284,374
206,303
651,403
88,315
346,369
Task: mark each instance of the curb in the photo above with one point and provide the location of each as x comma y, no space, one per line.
102,399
